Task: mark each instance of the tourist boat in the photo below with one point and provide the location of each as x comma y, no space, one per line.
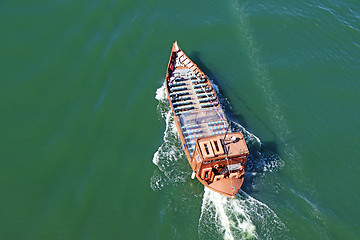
216,154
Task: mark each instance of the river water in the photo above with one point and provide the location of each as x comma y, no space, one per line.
88,148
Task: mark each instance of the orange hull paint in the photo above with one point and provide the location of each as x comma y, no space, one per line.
215,153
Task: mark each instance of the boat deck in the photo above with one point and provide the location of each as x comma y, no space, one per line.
197,106
221,154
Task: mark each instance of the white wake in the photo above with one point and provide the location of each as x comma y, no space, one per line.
168,154
240,218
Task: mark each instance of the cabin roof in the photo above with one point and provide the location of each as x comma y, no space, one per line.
216,146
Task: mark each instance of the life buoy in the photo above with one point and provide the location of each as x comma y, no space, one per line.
206,173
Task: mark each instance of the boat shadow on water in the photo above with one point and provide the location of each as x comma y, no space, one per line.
264,156
196,56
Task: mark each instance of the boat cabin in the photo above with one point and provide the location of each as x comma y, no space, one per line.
218,157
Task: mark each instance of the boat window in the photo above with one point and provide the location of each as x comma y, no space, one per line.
206,149
216,146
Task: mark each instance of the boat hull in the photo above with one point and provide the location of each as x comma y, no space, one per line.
216,155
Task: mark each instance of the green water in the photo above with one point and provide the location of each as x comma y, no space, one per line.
88,152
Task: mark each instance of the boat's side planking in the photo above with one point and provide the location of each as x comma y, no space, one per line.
215,154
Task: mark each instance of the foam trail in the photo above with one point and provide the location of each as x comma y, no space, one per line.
160,93
230,219
238,218
217,212
263,80
168,154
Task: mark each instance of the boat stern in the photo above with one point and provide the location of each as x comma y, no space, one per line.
227,186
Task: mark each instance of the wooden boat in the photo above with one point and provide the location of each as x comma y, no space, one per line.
216,155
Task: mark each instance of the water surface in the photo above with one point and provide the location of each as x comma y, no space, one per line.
87,144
